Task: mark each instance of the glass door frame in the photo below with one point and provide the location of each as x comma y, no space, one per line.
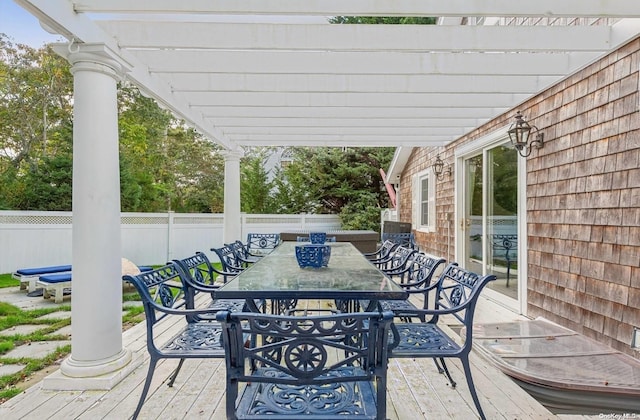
462,153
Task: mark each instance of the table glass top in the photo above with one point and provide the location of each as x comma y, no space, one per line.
348,275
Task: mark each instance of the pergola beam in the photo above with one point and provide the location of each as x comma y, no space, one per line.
339,63
429,112
463,8
428,83
232,123
344,140
325,37
408,100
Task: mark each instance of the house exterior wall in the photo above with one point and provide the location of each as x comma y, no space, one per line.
583,199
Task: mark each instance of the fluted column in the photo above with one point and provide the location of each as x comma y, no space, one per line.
97,355
232,230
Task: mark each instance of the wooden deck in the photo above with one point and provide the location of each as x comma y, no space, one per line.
416,390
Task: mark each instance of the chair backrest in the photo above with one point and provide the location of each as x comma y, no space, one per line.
421,269
160,289
406,240
305,350
384,251
200,269
228,259
262,243
457,293
399,258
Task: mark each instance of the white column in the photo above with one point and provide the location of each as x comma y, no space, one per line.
96,300
232,228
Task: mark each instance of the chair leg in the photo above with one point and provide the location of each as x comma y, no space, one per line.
446,372
472,388
440,370
174,374
381,397
145,390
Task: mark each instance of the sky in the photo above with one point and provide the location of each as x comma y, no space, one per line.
22,27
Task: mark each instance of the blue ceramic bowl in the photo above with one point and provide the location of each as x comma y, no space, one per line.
317,237
314,255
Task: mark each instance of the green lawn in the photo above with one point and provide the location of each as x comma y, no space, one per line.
11,316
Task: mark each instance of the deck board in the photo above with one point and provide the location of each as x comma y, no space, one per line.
415,391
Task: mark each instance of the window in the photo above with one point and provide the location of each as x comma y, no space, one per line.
424,201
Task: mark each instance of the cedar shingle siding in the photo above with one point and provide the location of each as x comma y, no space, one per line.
583,199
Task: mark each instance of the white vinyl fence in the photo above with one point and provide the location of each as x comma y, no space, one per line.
40,238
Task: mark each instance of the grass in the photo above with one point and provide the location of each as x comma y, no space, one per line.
7,281
12,316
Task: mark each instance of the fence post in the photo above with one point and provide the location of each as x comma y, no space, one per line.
170,223
243,226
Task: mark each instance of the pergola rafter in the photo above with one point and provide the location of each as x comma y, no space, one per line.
463,8
217,64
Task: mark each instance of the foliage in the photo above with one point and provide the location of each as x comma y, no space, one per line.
35,127
388,20
340,181
7,281
163,164
255,186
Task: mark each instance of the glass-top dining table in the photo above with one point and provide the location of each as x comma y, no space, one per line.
349,276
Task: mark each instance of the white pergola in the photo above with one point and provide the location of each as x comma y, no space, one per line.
256,73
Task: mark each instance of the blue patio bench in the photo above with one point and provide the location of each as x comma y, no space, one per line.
319,367
165,293
29,276
56,284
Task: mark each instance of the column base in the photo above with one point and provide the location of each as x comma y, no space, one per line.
81,376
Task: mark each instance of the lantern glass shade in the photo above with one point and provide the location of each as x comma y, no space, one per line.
438,166
519,132
524,136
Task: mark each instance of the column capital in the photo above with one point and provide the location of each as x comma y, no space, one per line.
93,57
230,155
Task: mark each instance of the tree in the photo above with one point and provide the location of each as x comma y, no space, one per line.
35,128
342,181
163,164
255,186
389,20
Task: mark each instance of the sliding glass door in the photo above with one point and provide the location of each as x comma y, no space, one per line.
489,210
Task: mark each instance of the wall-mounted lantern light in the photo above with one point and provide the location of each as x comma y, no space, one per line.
438,168
525,137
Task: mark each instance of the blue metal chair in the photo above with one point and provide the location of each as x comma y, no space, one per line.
230,264
262,243
400,256
322,367
416,278
242,254
164,294
456,295
383,254
203,277
403,239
